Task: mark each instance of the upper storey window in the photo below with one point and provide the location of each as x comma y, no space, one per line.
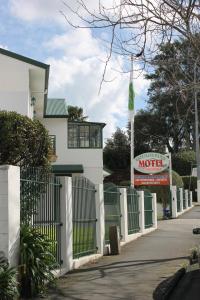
85,135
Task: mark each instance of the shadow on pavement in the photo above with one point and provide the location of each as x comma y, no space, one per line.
127,264
61,293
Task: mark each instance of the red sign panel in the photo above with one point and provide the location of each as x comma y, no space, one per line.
158,179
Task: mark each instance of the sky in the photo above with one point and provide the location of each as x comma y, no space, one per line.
37,29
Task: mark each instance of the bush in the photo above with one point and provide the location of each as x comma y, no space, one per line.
23,141
125,183
37,262
8,281
190,183
182,161
176,179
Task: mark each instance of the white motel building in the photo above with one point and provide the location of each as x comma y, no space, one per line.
77,146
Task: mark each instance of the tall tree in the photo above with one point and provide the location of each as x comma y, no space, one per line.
116,156
138,27
75,113
171,93
149,134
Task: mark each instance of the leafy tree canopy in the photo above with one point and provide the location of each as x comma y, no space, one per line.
171,94
117,151
23,141
149,133
75,113
182,162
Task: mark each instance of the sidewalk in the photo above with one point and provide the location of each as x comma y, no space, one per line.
142,265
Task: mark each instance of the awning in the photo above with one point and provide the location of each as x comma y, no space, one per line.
63,170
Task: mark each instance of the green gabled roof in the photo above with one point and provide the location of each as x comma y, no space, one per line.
63,170
55,108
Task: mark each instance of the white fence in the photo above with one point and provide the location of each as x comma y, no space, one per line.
181,201
10,219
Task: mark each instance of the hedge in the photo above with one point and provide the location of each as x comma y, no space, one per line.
183,161
23,142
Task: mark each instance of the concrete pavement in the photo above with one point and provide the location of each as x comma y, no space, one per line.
142,265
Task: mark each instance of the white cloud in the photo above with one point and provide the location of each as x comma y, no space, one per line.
49,10
78,73
34,10
79,43
4,47
76,76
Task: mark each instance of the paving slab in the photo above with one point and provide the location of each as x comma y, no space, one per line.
141,266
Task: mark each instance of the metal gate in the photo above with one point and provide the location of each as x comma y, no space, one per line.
148,211
178,197
184,200
112,208
84,217
133,210
40,205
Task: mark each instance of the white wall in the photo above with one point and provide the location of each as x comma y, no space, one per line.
91,159
17,80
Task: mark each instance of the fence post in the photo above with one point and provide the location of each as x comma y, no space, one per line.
100,215
67,226
186,198
174,202
141,209
191,196
181,199
124,212
154,208
10,213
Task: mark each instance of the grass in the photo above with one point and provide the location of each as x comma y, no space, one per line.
84,239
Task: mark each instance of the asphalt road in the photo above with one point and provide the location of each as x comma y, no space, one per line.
142,265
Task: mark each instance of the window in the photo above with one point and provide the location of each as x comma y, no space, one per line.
95,136
84,135
72,136
53,144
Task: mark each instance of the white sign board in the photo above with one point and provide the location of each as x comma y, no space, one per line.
151,163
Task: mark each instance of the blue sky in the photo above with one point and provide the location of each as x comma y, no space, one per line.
35,28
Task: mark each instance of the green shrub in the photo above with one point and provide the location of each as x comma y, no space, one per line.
176,179
37,262
8,281
125,183
190,183
23,141
182,161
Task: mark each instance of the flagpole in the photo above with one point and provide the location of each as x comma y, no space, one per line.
132,130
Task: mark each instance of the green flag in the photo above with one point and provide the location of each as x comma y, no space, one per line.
131,97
